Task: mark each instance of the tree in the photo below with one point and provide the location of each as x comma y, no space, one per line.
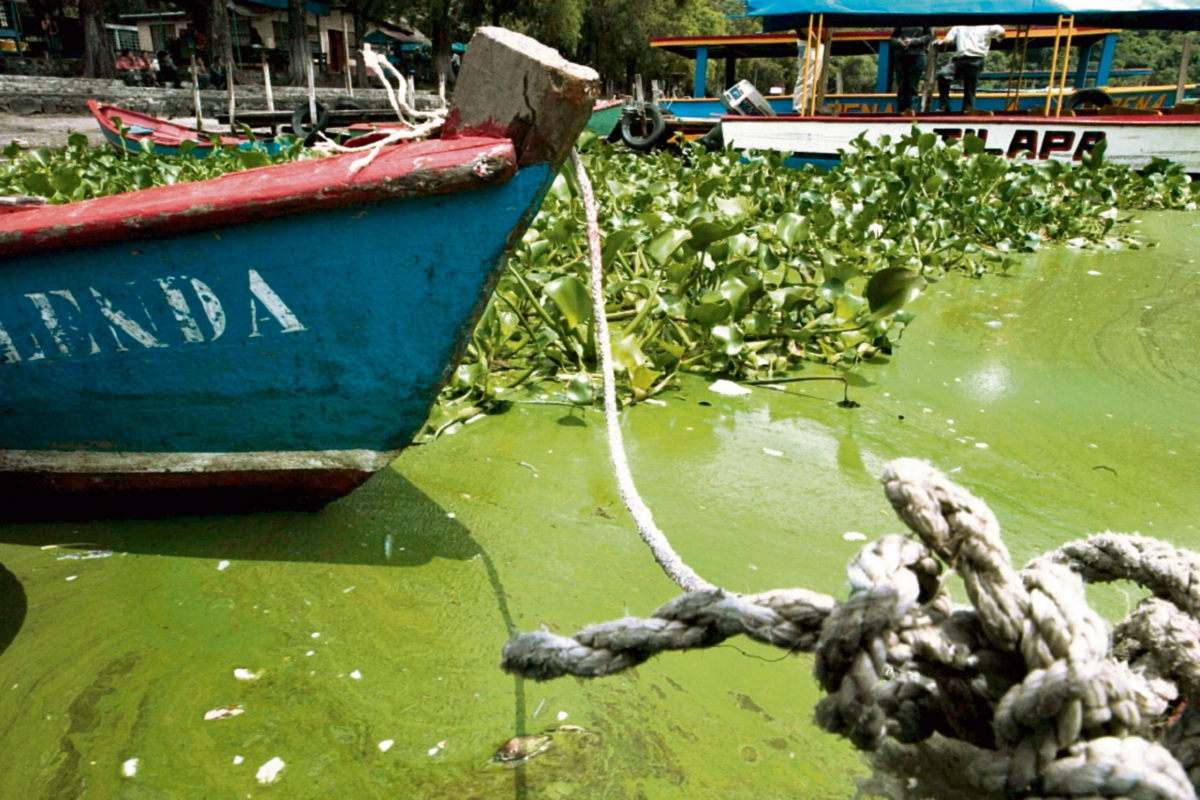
299,49
98,61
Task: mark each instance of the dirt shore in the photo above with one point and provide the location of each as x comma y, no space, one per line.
43,131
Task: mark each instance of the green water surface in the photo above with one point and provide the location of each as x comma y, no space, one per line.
381,618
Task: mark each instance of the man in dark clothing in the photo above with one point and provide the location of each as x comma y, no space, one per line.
908,64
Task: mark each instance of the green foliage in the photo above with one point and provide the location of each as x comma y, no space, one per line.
733,266
79,173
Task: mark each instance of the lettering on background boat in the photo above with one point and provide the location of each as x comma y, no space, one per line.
1023,140
1056,142
1087,141
56,324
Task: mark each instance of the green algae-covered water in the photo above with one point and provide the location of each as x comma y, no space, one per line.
366,637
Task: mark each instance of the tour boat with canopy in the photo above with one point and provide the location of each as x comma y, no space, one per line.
1133,136
1091,79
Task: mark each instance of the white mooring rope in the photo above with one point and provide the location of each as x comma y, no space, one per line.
683,575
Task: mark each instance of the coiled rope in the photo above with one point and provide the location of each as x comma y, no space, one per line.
1020,694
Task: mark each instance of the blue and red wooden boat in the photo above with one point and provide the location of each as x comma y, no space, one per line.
165,137
272,337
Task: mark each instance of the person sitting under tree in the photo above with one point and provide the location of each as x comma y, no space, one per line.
971,47
908,64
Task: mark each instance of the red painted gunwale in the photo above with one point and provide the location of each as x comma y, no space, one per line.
165,133
426,168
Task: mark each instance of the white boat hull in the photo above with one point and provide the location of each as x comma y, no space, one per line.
1132,141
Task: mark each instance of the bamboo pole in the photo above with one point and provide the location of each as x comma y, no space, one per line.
817,64
804,68
1021,73
1053,67
196,96
1184,61
1062,84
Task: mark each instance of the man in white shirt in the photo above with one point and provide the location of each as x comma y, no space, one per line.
972,43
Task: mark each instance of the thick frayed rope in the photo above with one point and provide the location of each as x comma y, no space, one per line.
683,575
1022,684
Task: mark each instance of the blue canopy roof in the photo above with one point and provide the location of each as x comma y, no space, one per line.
1156,14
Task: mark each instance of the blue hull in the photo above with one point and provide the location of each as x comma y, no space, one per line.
133,145
326,331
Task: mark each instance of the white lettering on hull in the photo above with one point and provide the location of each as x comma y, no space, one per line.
69,327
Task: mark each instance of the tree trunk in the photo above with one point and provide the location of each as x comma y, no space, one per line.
221,37
445,15
360,30
300,52
98,60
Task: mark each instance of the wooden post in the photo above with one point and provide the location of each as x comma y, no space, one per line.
930,77
312,95
804,71
346,48
1184,61
838,86
270,94
196,96
232,103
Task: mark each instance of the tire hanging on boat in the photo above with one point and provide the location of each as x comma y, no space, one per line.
631,119
302,123
1088,97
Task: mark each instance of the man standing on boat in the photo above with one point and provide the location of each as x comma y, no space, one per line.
972,43
908,64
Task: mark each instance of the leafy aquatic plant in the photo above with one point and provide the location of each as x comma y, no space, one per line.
78,172
728,265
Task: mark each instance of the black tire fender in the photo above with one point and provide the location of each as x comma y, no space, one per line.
658,127
1088,97
302,124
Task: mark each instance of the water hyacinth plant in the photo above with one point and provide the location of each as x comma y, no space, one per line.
736,266
78,172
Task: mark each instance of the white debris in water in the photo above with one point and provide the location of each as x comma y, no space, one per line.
356,675
770,452
223,712
348,590
385,745
85,556
450,514
981,445
238,760
562,715
130,767
1093,272
246,675
994,323
222,565
269,772
1093,446
927,410
728,388
72,577
316,635
949,422
854,536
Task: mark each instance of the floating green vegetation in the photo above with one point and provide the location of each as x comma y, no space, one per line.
742,268
78,172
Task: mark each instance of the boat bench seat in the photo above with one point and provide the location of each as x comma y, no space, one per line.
1185,108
